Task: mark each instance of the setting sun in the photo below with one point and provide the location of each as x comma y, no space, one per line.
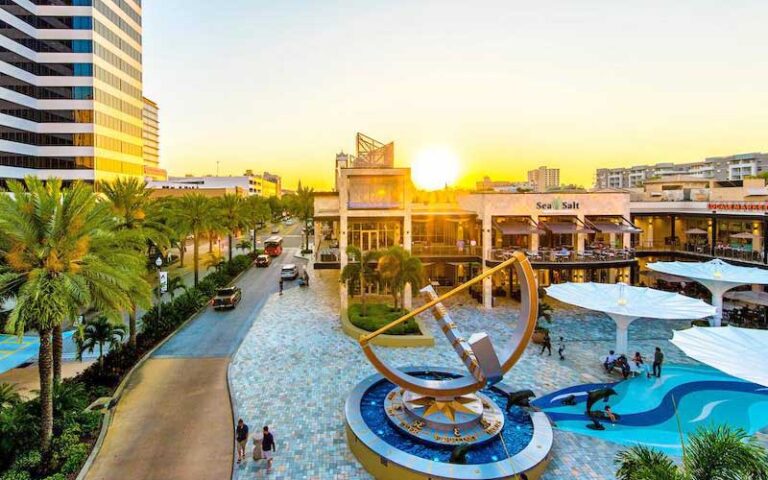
435,168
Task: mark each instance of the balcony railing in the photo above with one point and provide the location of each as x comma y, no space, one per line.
442,250
743,254
560,256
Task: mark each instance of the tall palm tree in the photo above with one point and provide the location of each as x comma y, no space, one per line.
256,211
67,255
8,395
131,203
358,269
714,453
303,207
232,221
99,331
192,213
399,269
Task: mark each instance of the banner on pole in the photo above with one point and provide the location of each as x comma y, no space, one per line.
163,281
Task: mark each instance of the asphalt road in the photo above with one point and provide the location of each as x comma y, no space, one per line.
174,420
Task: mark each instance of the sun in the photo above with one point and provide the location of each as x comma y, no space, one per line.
435,168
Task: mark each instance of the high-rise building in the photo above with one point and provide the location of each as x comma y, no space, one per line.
151,147
543,178
730,168
71,102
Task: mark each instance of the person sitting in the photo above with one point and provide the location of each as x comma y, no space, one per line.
640,364
610,361
609,414
623,365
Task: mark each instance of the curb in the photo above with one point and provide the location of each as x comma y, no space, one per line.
424,340
107,421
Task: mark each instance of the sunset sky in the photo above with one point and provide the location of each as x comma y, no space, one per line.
506,85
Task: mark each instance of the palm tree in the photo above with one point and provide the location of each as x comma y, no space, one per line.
8,395
191,213
216,261
303,207
231,210
98,332
399,268
714,453
67,255
256,211
244,244
175,283
357,269
131,203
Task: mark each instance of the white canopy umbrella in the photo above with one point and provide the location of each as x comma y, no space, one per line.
624,304
755,298
741,352
717,275
745,235
695,231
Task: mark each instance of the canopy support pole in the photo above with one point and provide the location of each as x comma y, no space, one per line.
622,332
718,289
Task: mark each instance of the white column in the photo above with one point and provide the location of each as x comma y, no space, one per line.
717,302
580,237
487,282
622,333
627,240
343,260
534,237
318,238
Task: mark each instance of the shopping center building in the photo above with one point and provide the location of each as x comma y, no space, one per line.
569,236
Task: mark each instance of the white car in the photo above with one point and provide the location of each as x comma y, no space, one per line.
289,271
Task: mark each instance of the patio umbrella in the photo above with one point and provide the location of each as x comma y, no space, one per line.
695,231
624,304
744,235
741,352
717,275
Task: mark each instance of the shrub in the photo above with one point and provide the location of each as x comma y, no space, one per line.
378,315
16,475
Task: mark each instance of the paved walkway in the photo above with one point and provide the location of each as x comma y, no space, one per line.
174,419
295,368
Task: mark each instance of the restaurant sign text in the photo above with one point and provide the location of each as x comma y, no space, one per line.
558,204
739,206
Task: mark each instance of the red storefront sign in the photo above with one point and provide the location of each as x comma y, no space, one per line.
739,206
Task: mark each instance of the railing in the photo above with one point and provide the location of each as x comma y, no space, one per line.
442,250
705,250
559,256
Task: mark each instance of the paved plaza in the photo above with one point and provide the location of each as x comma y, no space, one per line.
296,367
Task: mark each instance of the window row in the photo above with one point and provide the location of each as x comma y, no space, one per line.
51,163
126,8
108,121
45,93
115,145
64,3
46,23
46,69
118,62
115,40
116,166
46,139
45,116
114,102
115,81
45,46
113,17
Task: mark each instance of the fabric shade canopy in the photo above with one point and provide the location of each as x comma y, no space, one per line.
741,352
717,275
624,304
745,235
755,298
565,228
695,231
516,228
611,227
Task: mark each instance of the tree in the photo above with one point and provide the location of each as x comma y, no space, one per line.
256,211
8,395
244,244
231,219
98,332
131,203
357,269
191,213
174,283
65,254
714,453
302,206
399,269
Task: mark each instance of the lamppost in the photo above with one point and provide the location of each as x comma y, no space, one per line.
162,285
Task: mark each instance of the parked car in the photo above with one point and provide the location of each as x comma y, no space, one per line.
227,298
289,271
289,222
263,260
275,229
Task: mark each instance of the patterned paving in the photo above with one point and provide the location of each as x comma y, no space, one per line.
295,368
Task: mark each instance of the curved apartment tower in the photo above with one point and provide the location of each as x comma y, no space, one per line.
71,102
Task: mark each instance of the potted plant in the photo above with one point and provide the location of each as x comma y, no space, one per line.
545,313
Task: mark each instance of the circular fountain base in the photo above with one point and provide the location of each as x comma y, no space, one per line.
391,434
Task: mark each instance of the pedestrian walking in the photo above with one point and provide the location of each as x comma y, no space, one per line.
281,286
241,435
546,344
658,359
267,447
561,348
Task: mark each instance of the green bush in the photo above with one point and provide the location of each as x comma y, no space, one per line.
16,475
379,314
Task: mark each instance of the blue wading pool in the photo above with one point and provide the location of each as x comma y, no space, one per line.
703,396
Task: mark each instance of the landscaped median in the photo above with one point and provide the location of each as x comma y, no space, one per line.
410,334
76,431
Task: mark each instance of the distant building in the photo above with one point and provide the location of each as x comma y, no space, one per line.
151,147
271,185
729,168
543,178
244,185
488,185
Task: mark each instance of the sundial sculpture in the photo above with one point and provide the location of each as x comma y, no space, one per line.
453,411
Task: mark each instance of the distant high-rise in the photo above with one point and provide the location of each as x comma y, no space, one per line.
543,178
151,147
71,102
